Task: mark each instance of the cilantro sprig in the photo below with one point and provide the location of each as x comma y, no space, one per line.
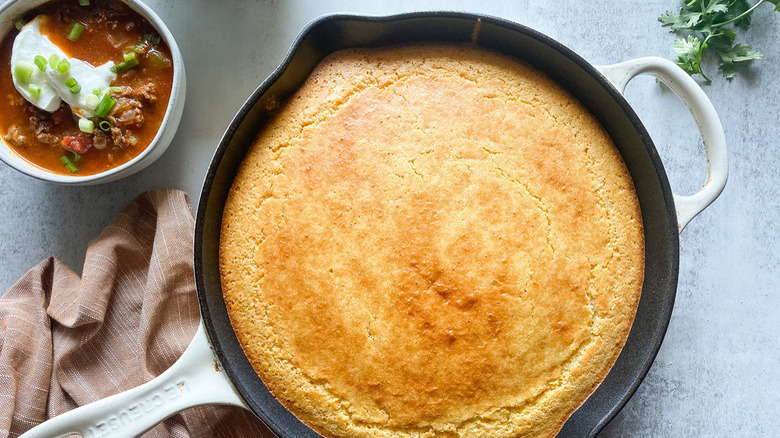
708,26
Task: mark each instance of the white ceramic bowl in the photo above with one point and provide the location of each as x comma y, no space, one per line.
12,10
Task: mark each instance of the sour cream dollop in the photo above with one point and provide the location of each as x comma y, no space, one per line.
29,43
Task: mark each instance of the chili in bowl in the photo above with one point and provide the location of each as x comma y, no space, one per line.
92,90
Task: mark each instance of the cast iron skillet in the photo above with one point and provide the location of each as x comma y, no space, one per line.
231,380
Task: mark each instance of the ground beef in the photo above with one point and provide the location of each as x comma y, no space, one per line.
15,137
40,125
16,99
41,122
100,139
127,111
123,137
108,15
143,94
63,113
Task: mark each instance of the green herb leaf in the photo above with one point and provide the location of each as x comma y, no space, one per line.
715,6
737,12
707,27
689,55
735,57
151,39
685,20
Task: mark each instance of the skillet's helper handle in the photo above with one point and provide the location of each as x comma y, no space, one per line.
703,113
193,380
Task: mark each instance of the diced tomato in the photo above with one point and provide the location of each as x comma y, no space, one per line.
77,143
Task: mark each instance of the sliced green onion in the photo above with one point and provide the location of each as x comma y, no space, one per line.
75,31
86,125
73,85
97,91
83,2
114,90
129,62
35,90
53,61
105,105
76,157
104,126
23,71
19,24
92,100
40,61
63,66
69,164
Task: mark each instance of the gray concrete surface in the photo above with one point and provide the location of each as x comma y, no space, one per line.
717,372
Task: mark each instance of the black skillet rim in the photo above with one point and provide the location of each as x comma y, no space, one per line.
275,414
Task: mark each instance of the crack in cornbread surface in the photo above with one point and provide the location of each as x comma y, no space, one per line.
431,240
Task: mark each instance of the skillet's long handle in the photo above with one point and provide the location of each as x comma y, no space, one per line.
703,113
194,379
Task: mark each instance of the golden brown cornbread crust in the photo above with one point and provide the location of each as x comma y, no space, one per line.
432,240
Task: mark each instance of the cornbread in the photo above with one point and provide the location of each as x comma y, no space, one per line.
431,241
